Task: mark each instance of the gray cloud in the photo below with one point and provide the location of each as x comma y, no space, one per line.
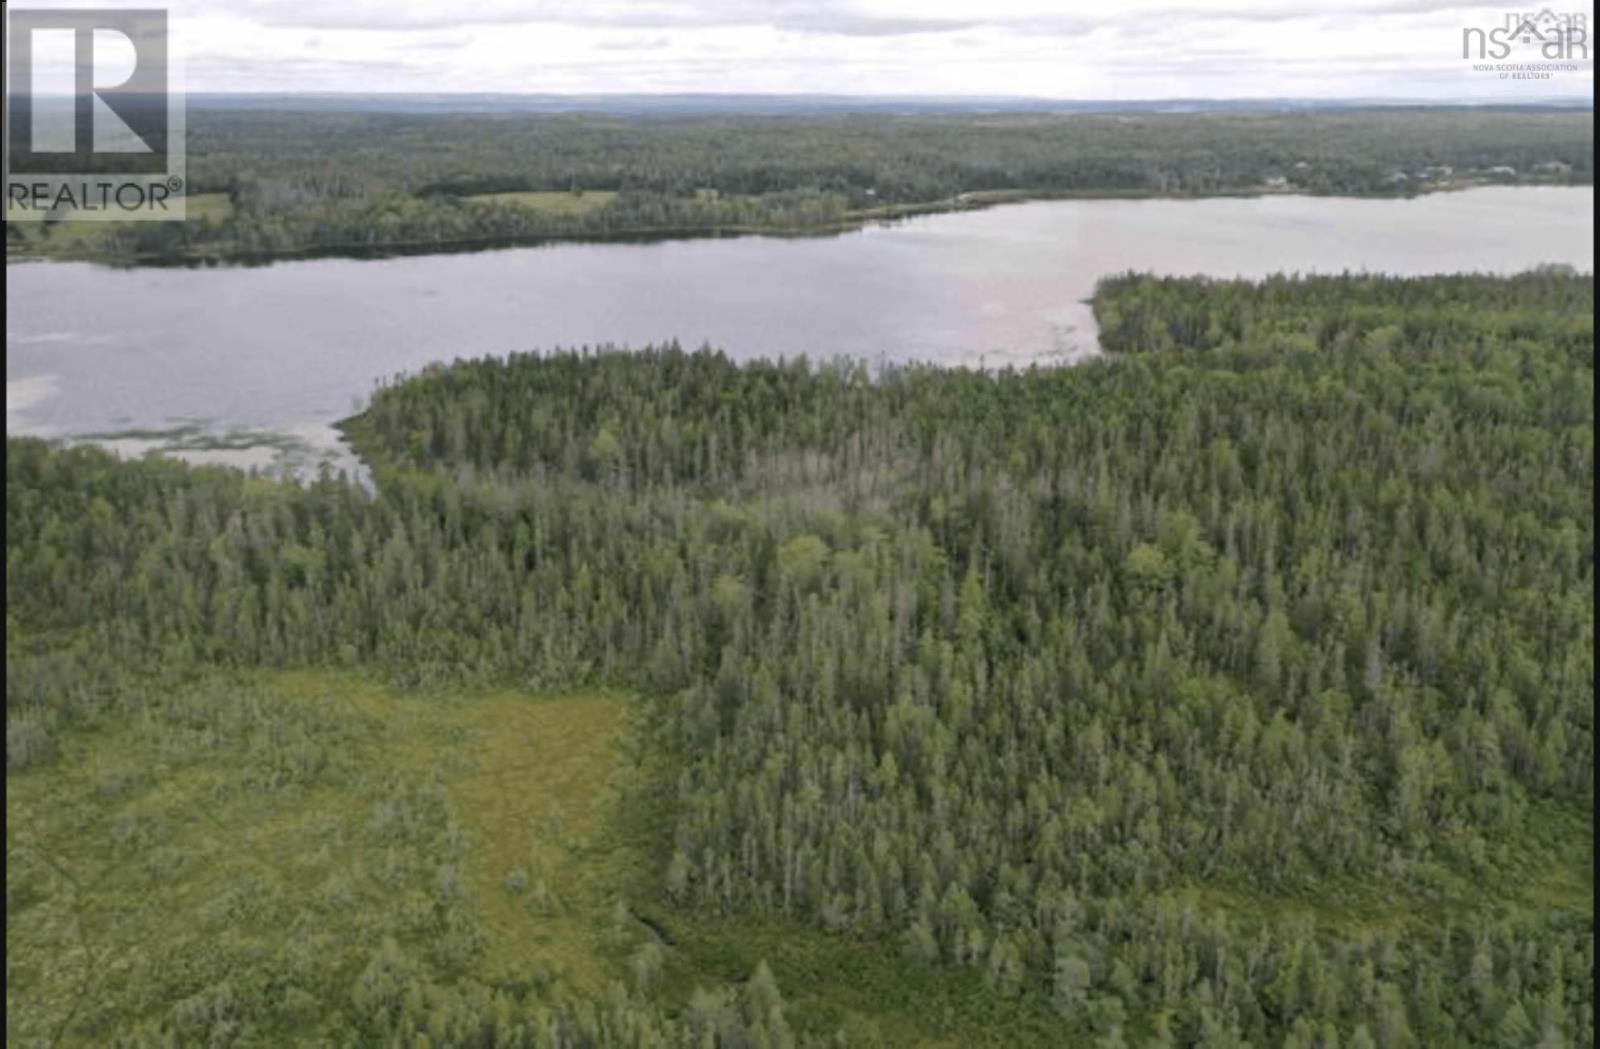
305,72
995,47
824,17
635,43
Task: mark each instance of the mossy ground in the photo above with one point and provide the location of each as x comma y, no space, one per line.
257,819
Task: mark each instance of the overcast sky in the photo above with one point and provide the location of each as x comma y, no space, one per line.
1108,49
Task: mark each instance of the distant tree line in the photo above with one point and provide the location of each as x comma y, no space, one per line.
374,181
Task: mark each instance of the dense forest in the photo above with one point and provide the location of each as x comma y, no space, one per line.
1233,689
273,183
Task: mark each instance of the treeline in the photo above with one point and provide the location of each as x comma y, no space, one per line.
267,221
364,181
901,158
1236,689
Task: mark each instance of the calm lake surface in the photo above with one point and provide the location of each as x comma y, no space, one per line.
249,366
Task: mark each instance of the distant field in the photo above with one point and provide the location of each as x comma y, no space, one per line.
215,206
76,236
551,202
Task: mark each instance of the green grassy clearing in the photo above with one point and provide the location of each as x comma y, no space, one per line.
59,237
260,836
551,202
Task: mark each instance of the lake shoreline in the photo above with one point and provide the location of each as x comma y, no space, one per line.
884,215
201,361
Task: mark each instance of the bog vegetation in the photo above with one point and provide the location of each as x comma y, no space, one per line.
335,182
1236,689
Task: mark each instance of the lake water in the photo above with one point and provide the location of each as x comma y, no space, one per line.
250,365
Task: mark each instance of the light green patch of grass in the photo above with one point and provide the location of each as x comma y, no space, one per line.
69,236
241,851
65,236
530,778
200,844
217,207
551,202
535,803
